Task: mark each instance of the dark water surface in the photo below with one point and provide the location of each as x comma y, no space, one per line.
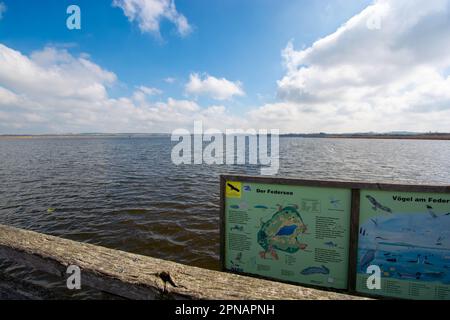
125,193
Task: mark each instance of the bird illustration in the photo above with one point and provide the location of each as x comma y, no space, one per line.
233,187
431,212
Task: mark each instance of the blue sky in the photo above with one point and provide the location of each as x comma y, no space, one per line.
245,43
235,39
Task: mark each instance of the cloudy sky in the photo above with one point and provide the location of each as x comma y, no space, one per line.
158,65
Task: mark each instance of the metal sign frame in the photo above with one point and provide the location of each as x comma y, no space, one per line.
355,188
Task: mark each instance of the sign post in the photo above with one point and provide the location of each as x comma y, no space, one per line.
338,235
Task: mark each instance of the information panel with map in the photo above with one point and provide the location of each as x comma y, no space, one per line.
291,233
407,235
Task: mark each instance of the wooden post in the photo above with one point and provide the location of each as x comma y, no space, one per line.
353,245
355,188
222,223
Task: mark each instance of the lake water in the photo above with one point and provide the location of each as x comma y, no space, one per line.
125,193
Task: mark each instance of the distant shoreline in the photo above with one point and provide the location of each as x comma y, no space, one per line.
378,136
381,136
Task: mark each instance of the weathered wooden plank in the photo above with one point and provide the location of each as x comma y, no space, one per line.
139,277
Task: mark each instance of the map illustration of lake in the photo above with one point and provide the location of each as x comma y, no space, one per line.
282,232
408,237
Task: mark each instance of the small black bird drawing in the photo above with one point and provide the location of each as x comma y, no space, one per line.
233,187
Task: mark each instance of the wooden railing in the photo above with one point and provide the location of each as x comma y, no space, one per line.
135,276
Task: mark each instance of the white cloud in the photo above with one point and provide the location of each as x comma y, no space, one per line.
53,72
142,92
52,91
355,79
149,13
219,89
2,9
361,79
150,91
170,80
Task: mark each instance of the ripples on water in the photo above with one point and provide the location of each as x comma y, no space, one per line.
125,193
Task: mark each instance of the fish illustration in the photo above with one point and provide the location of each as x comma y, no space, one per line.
260,206
242,206
420,260
237,228
315,270
425,261
416,276
331,244
377,205
435,275
247,188
334,202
